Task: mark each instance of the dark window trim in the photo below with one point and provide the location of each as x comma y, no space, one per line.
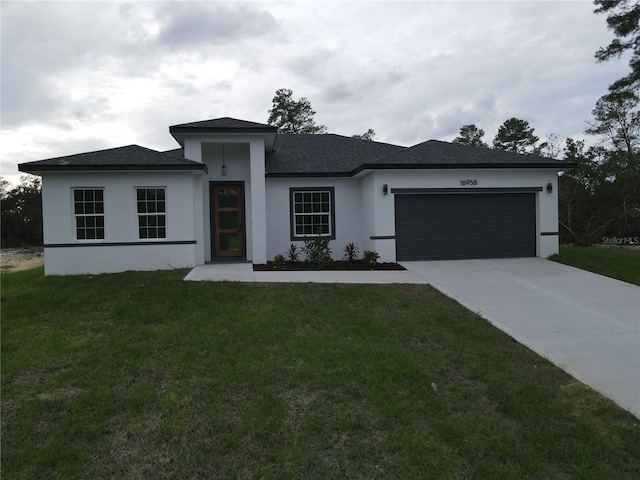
118,244
427,191
154,214
382,237
85,216
332,217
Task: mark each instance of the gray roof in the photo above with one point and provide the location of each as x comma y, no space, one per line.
131,157
224,123
300,154
335,155
323,154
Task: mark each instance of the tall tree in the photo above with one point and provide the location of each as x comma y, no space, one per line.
515,135
368,135
551,148
21,213
624,19
616,118
470,135
293,116
582,214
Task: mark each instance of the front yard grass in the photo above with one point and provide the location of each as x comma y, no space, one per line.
620,263
142,375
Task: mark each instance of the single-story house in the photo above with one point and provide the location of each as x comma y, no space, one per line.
240,191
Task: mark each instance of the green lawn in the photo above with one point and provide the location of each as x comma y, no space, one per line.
620,263
141,375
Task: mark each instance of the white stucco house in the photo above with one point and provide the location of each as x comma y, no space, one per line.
239,191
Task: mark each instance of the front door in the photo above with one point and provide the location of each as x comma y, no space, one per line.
227,232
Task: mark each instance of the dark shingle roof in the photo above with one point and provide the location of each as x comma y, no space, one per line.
337,155
131,157
323,154
439,153
224,123
300,155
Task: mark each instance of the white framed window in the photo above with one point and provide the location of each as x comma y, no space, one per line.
312,212
88,209
152,212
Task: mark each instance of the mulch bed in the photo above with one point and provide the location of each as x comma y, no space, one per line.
357,265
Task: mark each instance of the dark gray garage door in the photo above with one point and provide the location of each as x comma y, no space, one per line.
456,226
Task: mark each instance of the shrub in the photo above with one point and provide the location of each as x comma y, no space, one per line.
371,257
317,250
293,253
351,252
278,262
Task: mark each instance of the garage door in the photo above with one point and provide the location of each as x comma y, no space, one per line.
457,226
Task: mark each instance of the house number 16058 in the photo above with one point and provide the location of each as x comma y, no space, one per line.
469,182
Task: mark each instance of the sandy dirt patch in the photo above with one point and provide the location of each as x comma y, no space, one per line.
16,259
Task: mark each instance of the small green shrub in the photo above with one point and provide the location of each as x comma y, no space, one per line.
293,253
278,262
351,252
371,257
317,249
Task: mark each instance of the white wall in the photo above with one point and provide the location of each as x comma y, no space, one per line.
236,159
244,158
121,223
348,214
363,211
546,203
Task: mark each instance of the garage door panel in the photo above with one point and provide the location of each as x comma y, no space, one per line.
440,226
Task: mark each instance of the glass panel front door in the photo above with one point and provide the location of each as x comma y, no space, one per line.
227,234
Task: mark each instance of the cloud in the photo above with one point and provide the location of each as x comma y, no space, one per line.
82,74
201,24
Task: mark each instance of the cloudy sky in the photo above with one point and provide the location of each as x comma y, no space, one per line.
83,76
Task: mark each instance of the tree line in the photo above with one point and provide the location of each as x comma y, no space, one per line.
21,220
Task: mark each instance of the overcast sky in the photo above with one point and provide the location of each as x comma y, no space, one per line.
83,76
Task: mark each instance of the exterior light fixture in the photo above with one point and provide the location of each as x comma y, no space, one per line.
223,168
549,188
385,189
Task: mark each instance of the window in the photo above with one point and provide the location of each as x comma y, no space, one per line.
88,208
312,212
151,212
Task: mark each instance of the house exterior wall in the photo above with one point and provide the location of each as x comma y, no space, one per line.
546,203
244,159
120,250
363,214
348,213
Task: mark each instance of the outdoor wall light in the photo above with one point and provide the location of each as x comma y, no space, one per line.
385,189
549,188
223,168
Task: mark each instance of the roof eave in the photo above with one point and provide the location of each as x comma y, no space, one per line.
269,133
38,169
458,166
430,166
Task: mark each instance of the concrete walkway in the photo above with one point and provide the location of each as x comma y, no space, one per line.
586,324
243,272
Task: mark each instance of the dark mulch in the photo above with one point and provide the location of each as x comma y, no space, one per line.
300,266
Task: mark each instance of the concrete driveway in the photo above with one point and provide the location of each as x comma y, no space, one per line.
586,324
